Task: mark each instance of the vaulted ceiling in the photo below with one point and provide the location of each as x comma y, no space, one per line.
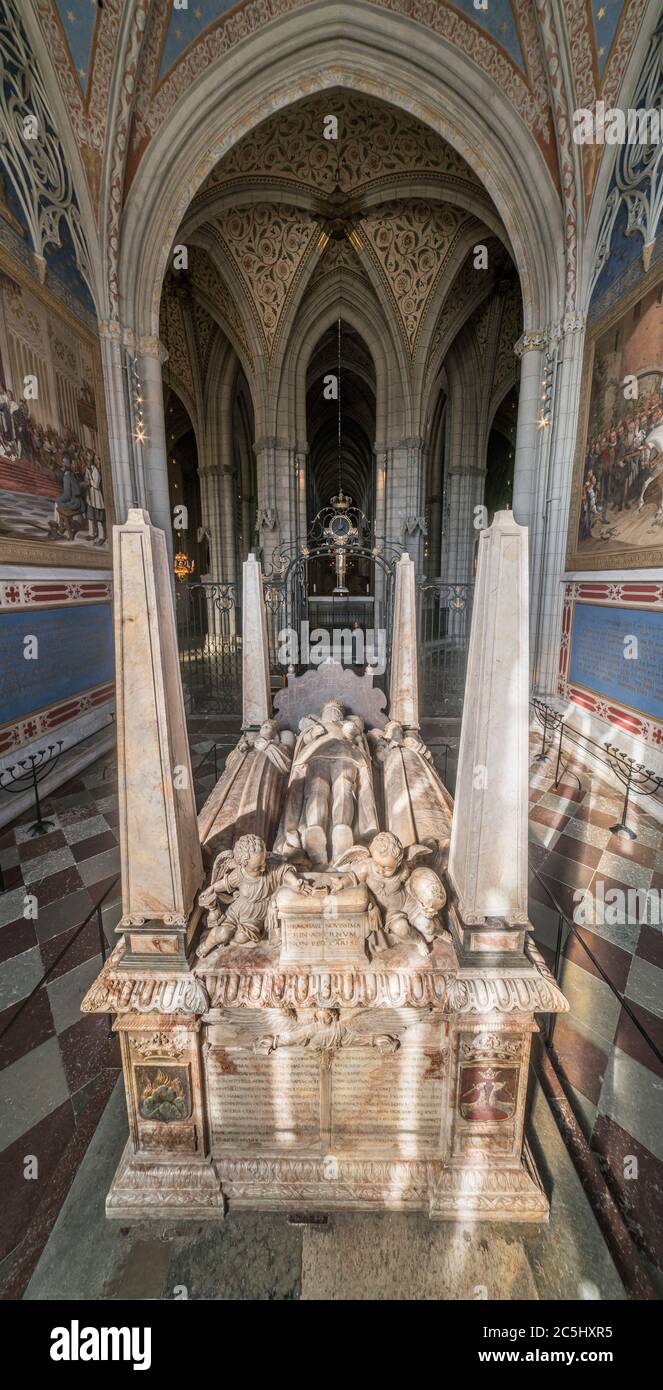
170,48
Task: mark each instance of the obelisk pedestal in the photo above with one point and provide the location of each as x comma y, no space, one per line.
489,847
404,678
162,867
256,688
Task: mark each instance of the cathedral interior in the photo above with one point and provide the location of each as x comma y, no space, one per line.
325,292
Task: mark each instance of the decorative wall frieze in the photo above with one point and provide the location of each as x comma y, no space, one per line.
36,166
638,175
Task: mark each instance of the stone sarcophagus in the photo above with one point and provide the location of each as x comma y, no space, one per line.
341,1026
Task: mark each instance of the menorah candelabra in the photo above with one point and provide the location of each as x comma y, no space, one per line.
29,772
637,780
550,720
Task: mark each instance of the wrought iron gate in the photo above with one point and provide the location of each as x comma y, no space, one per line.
209,642
444,618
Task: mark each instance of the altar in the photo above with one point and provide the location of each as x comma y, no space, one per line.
325,986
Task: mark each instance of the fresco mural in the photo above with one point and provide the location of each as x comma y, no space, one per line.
616,516
55,488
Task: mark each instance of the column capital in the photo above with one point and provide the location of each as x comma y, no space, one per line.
150,346
533,340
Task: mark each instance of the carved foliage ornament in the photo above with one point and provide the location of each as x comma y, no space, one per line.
37,167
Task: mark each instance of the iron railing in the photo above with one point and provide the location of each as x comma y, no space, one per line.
209,642
444,620
209,636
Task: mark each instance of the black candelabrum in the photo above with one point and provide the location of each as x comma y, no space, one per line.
637,781
550,720
29,773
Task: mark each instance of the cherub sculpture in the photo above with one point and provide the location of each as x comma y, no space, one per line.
404,906
238,897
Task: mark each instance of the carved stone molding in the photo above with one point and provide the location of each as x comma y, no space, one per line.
206,279
171,1043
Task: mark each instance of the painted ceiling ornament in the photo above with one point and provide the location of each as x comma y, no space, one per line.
267,243
638,176
208,283
380,144
31,151
410,244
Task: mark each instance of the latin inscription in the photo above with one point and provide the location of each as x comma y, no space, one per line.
272,1101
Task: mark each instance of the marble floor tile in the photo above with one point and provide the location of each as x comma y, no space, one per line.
632,1096
30,1089
12,904
34,870
100,866
65,912
645,985
596,835
66,992
18,976
85,829
624,870
591,1001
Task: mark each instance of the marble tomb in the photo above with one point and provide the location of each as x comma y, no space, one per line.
325,986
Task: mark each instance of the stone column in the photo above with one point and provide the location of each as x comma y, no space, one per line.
404,672
127,488
405,488
256,686
488,854
162,867
154,449
531,440
549,558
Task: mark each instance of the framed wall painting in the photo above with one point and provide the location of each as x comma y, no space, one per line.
56,495
616,510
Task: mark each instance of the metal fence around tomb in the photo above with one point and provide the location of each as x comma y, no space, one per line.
210,646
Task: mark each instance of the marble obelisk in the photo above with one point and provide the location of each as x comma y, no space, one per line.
404,679
162,867
488,853
256,688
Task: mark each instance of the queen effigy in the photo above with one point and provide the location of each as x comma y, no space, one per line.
325,985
